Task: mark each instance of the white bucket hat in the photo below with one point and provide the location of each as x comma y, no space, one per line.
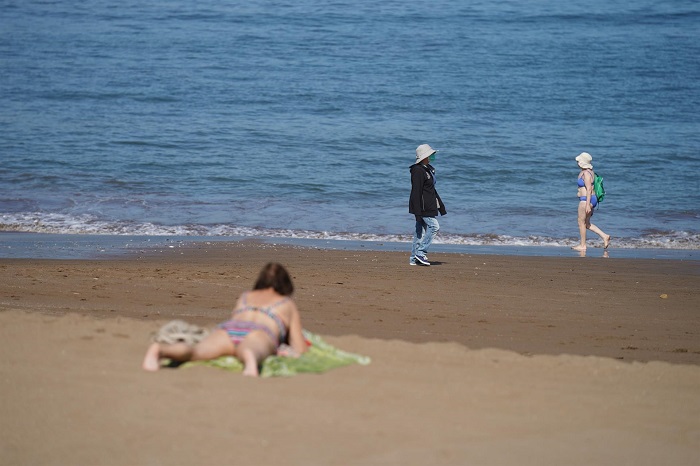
584,160
424,151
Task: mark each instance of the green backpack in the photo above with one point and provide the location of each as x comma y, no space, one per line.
598,188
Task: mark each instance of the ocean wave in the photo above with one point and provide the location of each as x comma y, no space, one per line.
54,223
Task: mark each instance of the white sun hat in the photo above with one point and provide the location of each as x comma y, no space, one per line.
584,160
424,151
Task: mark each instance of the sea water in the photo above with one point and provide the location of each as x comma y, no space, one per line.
300,119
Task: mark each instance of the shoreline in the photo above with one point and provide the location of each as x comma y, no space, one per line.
25,245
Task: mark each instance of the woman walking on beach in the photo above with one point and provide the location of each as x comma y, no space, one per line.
262,320
587,201
424,203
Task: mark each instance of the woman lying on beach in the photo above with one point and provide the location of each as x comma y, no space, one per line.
262,320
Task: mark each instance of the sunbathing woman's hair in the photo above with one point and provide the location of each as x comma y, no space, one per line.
276,276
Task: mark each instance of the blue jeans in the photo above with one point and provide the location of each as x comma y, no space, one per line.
423,236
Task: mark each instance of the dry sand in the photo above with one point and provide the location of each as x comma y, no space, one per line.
487,360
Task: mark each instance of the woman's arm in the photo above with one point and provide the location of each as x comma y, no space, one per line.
416,196
296,337
588,181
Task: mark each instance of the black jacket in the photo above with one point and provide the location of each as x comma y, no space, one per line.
425,200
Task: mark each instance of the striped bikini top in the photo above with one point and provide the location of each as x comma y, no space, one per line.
267,311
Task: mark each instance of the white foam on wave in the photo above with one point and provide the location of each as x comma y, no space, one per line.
54,223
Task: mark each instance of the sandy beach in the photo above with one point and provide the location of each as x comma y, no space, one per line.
478,359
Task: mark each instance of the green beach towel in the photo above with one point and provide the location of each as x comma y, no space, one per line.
319,357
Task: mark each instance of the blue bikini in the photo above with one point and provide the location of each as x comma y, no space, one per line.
582,184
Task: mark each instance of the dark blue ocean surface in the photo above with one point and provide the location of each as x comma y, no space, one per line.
300,119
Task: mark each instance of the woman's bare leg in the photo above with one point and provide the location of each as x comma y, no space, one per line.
254,348
582,224
216,344
604,236
158,351
151,362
